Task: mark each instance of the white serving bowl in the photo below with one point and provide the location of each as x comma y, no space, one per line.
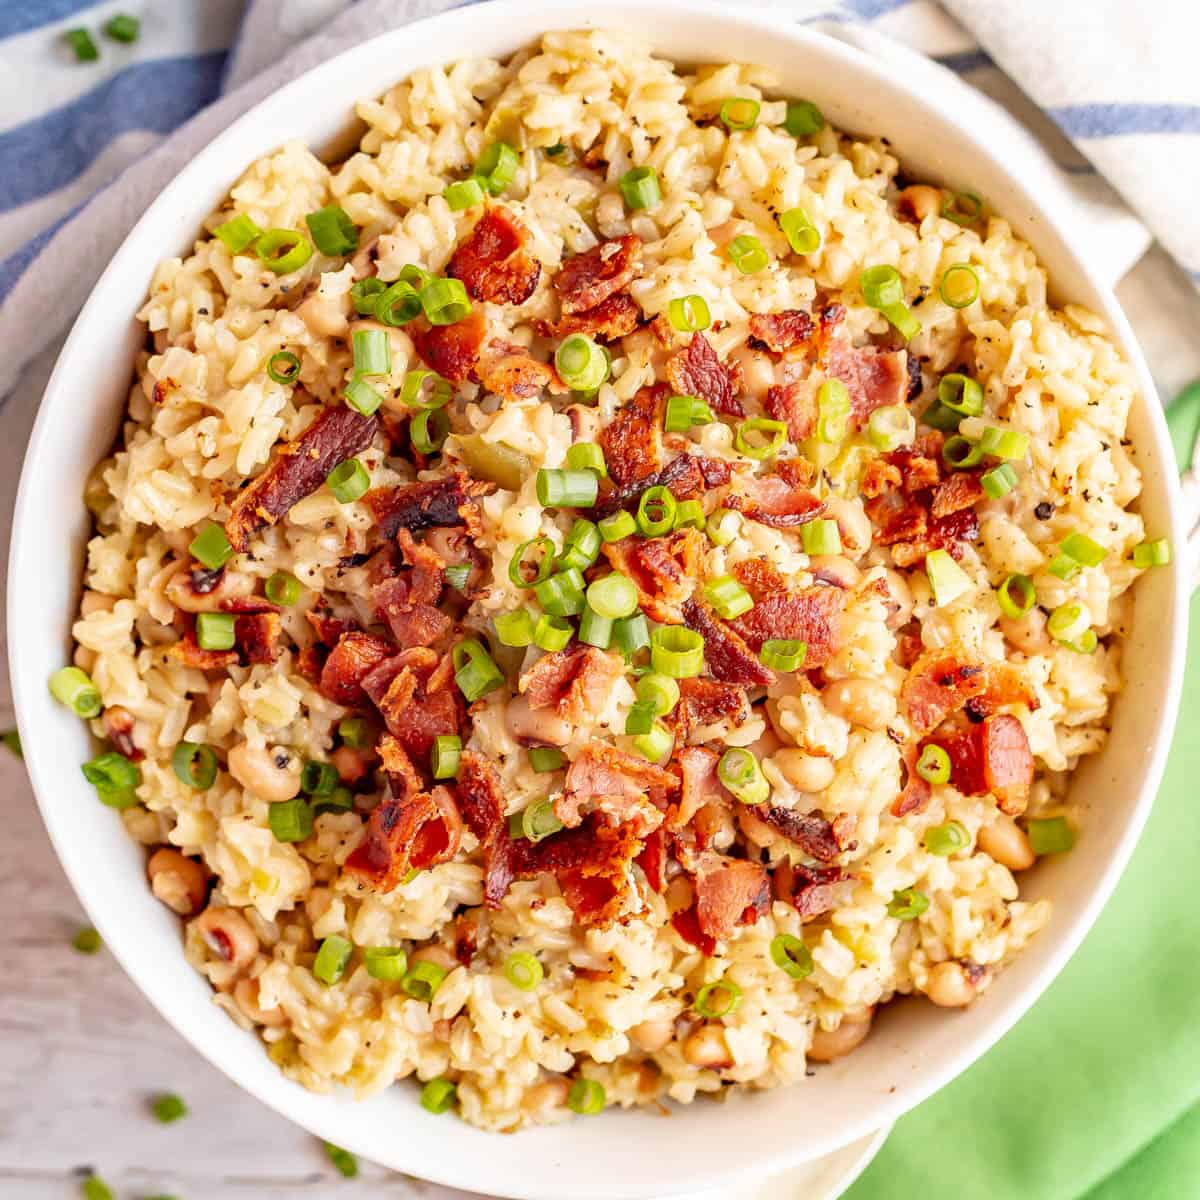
915,1048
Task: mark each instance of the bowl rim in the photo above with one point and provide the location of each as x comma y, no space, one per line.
454,24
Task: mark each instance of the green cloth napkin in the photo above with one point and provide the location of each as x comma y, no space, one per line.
1096,1092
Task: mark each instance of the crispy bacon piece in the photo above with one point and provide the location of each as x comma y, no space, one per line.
574,682
653,860
470,928
699,784
381,859
632,440
453,351
878,477
782,330
492,261
697,371
621,788
810,831
403,779
596,889
480,797
729,892
709,702
947,680
257,636
726,654
439,839
187,651
588,279
686,923
447,502
612,318
943,533
811,615
993,756
509,370
415,710
118,725
959,491
809,889
664,569
350,661
759,577
687,477
916,793
874,378
795,404
406,603
298,469
327,627
771,500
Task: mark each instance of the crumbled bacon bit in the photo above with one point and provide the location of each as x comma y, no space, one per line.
480,797
782,330
686,477
354,656
653,860
439,839
809,889
810,615
257,636
686,923
993,756
492,261
961,490
328,628
878,477
771,500
759,577
664,570
447,502
810,831
575,682
726,654
298,469
588,279
415,711
914,797
874,378
403,779
381,859
632,440
697,371
795,404
944,681
612,318
729,892
622,788
118,725
709,702
699,784
509,370
452,350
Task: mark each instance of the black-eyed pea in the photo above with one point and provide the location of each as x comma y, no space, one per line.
653,1035
246,993
228,935
181,883
1007,843
828,1044
805,772
706,1047
271,773
950,985
865,702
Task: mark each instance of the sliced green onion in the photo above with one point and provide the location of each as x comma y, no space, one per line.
641,717
883,289
1083,549
582,546
676,651
475,670
497,167
581,363
195,765
362,397
999,481
344,1162
348,481
123,28
372,352
438,1096
551,633
1152,554
238,233
365,294
539,821
283,250
689,514
960,454
791,956
168,1108
428,430
631,634
87,941
949,838
661,692
422,980
523,971
566,489
760,437
960,285
947,579
963,208
677,416
514,628
12,739
746,253
656,511
586,1097
783,654
283,367
445,301
456,575
1050,835
397,304
522,563
891,427
466,193
385,962
556,151
688,314
655,744
718,999
210,547
74,688
640,188
1004,443
728,597
115,779
722,526
332,959
445,755
215,631
741,774
619,525
1085,643
332,231
341,799
1066,623
94,1188
803,118
934,764
1016,596
290,820
283,589
960,394
417,276
613,596
936,416
802,235
595,630
83,46
318,778
821,536
587,456
562,595
907,904
545,759
739,113
355,732
833,408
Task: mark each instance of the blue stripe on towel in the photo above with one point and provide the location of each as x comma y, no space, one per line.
13,267
870,9
54,149
19,16
968,60
1116,120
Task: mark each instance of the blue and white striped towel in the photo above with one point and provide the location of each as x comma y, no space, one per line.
84,147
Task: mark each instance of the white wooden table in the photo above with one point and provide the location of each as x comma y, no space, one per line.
81,1053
